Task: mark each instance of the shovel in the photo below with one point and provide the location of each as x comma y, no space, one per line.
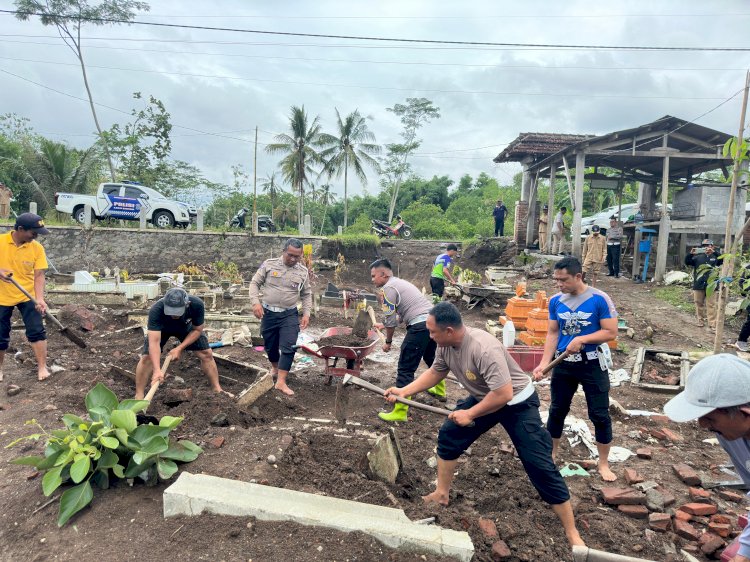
362,324
155,386
63,330
555,362
351,379
371,312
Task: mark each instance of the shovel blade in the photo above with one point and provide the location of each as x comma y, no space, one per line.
73,337
362,324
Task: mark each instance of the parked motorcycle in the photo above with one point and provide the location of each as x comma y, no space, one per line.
265,223
385,230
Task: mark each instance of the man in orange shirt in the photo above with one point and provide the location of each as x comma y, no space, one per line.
24,258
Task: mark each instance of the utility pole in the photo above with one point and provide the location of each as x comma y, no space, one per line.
728,265
255,184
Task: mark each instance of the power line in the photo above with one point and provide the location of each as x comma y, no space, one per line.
389,39
399,63
371,87
429,17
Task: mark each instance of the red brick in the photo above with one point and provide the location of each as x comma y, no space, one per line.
644,453
686,474
661,522
742,521
658,434
731,496
634,511
632,477
500,551
721,529
699,494
682,515
660,419
710,543
671,435
721,519
686,530
699,508
623,496
216,442
489,529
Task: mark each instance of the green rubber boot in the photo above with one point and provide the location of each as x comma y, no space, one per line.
438,391
398,414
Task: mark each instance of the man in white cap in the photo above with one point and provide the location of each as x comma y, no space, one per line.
717,394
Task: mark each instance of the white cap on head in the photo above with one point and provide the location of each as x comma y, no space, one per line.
718,381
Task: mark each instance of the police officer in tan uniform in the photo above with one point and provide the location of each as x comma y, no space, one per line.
283,281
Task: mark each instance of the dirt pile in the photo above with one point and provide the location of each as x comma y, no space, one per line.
492,251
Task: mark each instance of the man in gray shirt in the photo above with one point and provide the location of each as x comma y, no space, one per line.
717,394
283,281
402,300
614,247
499,393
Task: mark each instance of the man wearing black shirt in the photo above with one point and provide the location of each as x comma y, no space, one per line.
500,212
183,317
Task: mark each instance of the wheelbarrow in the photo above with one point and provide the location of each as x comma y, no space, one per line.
354,357
475,295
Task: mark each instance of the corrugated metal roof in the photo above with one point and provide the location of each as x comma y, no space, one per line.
537,145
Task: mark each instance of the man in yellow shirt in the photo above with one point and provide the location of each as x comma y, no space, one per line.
24,258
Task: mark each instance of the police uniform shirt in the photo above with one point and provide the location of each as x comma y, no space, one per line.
481,364
282,285
401,298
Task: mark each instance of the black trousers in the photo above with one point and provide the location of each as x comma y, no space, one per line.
613,259
31,319
280,331
437,285
499,227
417,345
745,330
532,442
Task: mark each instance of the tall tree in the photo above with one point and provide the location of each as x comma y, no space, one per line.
414,114
68,16
299,148
272,187
354,146
326,198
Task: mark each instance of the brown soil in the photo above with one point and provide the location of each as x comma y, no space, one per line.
343,340
657,372
126,523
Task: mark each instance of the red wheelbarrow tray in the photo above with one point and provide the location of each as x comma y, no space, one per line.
330,351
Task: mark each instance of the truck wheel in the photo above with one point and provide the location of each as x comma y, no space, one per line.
163,219
79,215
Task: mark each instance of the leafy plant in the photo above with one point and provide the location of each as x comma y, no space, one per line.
189,269
228,270
467,276
109,440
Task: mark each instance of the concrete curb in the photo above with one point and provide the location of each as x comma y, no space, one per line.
193,494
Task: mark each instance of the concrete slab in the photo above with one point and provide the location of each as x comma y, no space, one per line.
193,494
248,396
382,460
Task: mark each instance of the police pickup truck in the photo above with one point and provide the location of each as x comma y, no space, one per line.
126,201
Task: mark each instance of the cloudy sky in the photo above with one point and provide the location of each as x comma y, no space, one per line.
228,82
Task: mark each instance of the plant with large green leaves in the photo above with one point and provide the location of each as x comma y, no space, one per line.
109,440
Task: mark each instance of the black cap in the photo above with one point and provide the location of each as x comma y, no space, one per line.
175,302
30,221
595,228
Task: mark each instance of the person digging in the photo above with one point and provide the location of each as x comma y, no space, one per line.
181,316
403,300
499,393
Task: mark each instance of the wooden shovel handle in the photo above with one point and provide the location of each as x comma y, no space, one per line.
155,386
371,312
554,363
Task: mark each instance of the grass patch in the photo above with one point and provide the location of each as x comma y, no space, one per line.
677,296
356,240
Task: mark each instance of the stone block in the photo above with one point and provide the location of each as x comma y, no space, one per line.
661,522
700,509
623,496
686,530
500,551
248,396
488,527
686,474
382,460
634,511
667,495
174,396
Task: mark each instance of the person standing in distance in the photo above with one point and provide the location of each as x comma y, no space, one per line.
499,213
441,270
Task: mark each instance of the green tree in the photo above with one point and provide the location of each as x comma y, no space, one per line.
326,198
300,154
414,114
354,146
68,16
272,187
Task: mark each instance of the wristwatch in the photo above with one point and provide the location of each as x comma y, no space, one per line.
388,342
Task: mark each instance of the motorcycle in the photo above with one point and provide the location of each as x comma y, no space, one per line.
265,223
385,230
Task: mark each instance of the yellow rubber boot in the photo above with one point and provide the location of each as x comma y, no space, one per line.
438,391
398,414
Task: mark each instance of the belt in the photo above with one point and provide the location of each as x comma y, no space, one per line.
575,357
523,395
418,319
276,308
613,243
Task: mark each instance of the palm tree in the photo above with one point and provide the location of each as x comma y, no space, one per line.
270,185
353,147
300,154
326,197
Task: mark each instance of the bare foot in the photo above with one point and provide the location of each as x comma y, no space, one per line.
574,539
43,374
139,397
436,497
284,388
1,376
606,474
220,391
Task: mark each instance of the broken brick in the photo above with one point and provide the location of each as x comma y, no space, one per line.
686,474
623,496
644,453
488,527
710,543
721,519
632,477
686,530
699,508
634,511
658,434
660,419
216,442
699,495
175,396
721,529
671,435
667,496
731,496
661,522
682,515
500,551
